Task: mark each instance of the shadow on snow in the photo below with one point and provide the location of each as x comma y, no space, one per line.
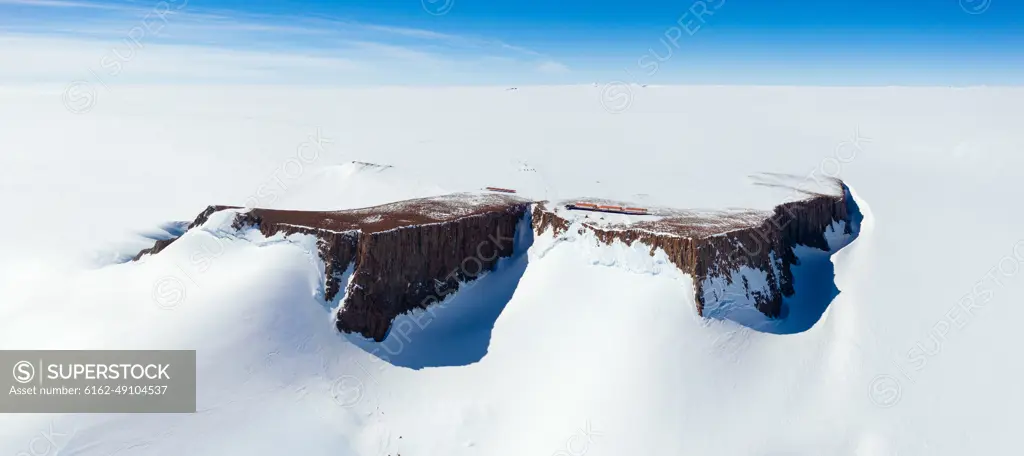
457,331
813,282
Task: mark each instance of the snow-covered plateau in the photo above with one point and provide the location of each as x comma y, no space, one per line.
902,345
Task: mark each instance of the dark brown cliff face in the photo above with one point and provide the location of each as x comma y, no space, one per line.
413,267
405,267
412,254
405,255
713,250
768,247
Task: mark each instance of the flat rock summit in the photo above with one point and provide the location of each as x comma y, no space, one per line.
386,260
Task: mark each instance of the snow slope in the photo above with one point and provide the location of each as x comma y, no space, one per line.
577,348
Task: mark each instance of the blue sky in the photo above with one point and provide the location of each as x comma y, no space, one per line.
827,42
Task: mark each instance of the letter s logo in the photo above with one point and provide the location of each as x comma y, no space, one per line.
24,372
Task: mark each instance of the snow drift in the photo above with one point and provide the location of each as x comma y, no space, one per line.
572,346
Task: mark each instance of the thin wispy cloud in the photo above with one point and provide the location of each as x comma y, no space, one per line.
187,37
52,3
410,32
455,40
69,4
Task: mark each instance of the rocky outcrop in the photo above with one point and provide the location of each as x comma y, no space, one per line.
720,249
404,256
411,254
401,268
337,249
162,244
413,267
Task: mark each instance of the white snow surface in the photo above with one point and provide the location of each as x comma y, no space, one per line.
441,207
596,349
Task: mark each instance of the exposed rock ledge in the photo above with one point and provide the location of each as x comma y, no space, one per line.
405,255
410,254
751,249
